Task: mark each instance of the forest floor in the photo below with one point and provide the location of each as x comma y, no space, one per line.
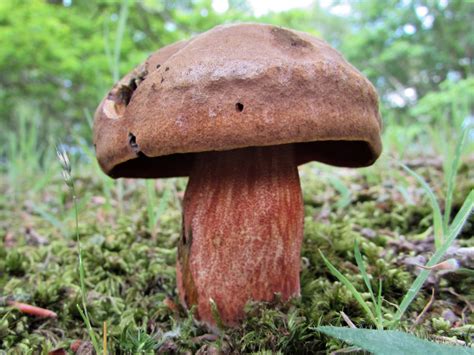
129,232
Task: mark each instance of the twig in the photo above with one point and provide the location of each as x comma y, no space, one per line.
425,309
32,310
447,265
347,320
104,340
349,350
449,340
461,297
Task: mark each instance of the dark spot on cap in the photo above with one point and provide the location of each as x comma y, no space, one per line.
132,141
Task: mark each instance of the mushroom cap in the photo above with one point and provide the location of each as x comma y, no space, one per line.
237,86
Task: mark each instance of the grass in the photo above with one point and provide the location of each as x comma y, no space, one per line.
128,271
445,233
374,309
376,321
154,208
128,264
451,174
438,226
453,231
364,223
69,180
23,152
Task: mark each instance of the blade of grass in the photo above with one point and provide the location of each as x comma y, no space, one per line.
43,180
379,300
344,191
69,180
163,203
90,331
360,264
351,288
462,215
89,118
150,205
365,277
119,37
49,217
439,232
216,314
107,50
452,176
83,311
154,213
114,62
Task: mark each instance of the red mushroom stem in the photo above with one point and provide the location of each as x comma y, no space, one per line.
242,231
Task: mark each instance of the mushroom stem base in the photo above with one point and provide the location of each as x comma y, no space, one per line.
242,231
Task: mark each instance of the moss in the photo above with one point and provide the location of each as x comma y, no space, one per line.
130,271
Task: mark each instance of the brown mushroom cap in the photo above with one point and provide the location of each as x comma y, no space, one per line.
232,87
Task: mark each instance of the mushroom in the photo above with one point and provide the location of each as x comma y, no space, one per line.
237,109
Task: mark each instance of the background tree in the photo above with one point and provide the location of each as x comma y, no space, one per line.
57,57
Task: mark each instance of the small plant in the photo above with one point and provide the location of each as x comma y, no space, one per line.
445,234
451,173
69,180
440,221
374,310
24,151
453,231
136,341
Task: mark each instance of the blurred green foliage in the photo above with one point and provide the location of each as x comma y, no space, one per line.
55,56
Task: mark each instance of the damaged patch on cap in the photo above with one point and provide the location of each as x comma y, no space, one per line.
116,102
289,38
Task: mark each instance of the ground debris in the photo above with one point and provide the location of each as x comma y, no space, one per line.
130,275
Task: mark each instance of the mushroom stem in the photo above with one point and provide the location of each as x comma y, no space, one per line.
242,231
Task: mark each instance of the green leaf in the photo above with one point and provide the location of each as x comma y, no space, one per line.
388,342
